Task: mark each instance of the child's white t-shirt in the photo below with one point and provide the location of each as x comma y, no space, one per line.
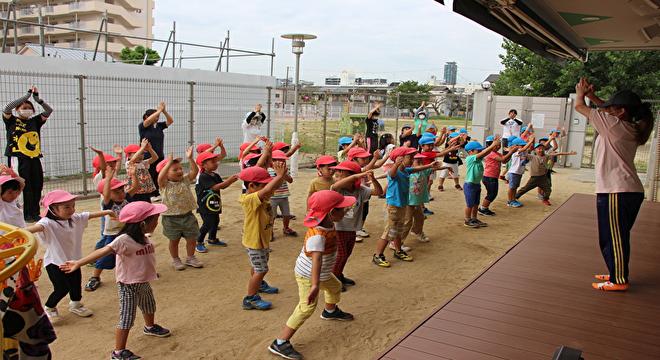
517,165
11,214
63,238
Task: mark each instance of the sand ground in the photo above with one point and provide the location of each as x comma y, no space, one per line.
202,307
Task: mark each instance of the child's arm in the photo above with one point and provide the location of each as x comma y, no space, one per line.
143,148
383,176
377,188
34,228
347,182
266,154
269,189
487,150
118,153
374,160
356,139
424,167
71,266
317,262
98,214
109,174
219,143
529,144
288,178
225,184
6,112
194,169
153,156
162,175
551,138
134,181
509,154
562,153
252,144
447,150
294,149
393,170
153,118
102,163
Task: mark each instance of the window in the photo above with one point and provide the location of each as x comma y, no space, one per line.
111,20
110,2
277,96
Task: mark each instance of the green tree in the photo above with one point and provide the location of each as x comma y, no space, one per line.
526,73
136,55
411,94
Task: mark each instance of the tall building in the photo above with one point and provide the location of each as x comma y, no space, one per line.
127,17
451,69
333,80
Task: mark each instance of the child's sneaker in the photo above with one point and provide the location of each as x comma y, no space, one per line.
157,331
539,196
428,212
178,265
290,232
267,289
458,187
403,247
610,286
421,237
336,315
75,307
514,204
380,260
547,203
216,242
192,261
362,233
402,255
123,355
485,211
255,302
93,283
346,281
479,222
359,239
201,248
470,223
53,314
285,350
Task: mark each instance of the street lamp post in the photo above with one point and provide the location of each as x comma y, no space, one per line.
297,45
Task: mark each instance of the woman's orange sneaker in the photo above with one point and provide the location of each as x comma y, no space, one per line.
602,277
609,286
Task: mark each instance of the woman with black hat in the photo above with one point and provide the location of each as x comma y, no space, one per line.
623,123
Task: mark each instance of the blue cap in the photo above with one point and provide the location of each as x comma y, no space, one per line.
453,135
463,131
555,131
406,126
518,142
490,138
426,140
537,145
511,139
473,145
428,134
523,129
451,128
345,140
432,126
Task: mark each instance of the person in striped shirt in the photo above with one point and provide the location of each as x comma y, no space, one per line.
280,198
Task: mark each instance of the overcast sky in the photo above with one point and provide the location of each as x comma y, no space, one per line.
395,39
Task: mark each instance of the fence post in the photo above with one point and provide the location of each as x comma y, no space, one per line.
396,123
268,104
325,120
191,122
81,107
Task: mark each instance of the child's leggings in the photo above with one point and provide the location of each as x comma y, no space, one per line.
345,244
63,284
210,223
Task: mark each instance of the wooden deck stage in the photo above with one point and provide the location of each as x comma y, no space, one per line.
538,296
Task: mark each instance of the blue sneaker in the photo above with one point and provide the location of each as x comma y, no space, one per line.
428,212
514,204
201,248
216,242
267,289
255,302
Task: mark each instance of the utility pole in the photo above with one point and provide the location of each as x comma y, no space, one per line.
286,90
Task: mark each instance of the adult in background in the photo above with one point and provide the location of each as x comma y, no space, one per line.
153,130
623,123
252,124
371,133
510,126
24,147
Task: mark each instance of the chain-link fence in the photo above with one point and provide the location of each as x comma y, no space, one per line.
103,111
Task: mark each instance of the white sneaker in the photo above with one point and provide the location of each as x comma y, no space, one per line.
76,307
52,314
177,264
193,262
156,199
362,233
359,239
421,237
403,247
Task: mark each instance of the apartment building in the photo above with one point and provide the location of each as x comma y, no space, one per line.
126,17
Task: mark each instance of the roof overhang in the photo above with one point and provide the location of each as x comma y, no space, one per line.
563,29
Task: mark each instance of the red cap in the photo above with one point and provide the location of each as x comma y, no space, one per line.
203,147
131,149
420,156
251,156
279,155
401,151
164,162
55,197
322,202
357,152
205,156
114,184
325,160
255,174
138,211
245,145
348,166
280,145
96,163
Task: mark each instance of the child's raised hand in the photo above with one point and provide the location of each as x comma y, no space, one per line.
170,157
144,143
109,172
268,145
298,146
398,161
96,150
280,168
189,152
218,142
70,266
117,149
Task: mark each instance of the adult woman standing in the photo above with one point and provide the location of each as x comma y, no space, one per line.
153,130
623,123
371,133
252,124
24,145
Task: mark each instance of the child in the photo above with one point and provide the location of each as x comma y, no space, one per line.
113,198
313,268
325,172
99,163
398,183
492,169
348,176
208,148
474,173
516,168
61,231
135,162
346,144
361,157
136,267
280,198
451,161
10,190
407,138
179,220
209,202
258,229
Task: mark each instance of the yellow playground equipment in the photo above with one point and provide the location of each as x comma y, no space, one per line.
17,250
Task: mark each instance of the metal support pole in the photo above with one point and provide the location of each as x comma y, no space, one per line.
218,66
272,57
5,30
191,127
105,37
98,39
180,55
83,147
41,32
467,107
174,44
294,136
396,122
268,104
325,122
15,30
286,90
227,46
167,46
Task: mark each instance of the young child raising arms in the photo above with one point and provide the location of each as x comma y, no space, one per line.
474,173
325,173
135,162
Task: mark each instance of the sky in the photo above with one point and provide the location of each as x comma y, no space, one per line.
394,39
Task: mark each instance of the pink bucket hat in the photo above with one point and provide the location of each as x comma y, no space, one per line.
55,197
137,211
5,178
114,184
